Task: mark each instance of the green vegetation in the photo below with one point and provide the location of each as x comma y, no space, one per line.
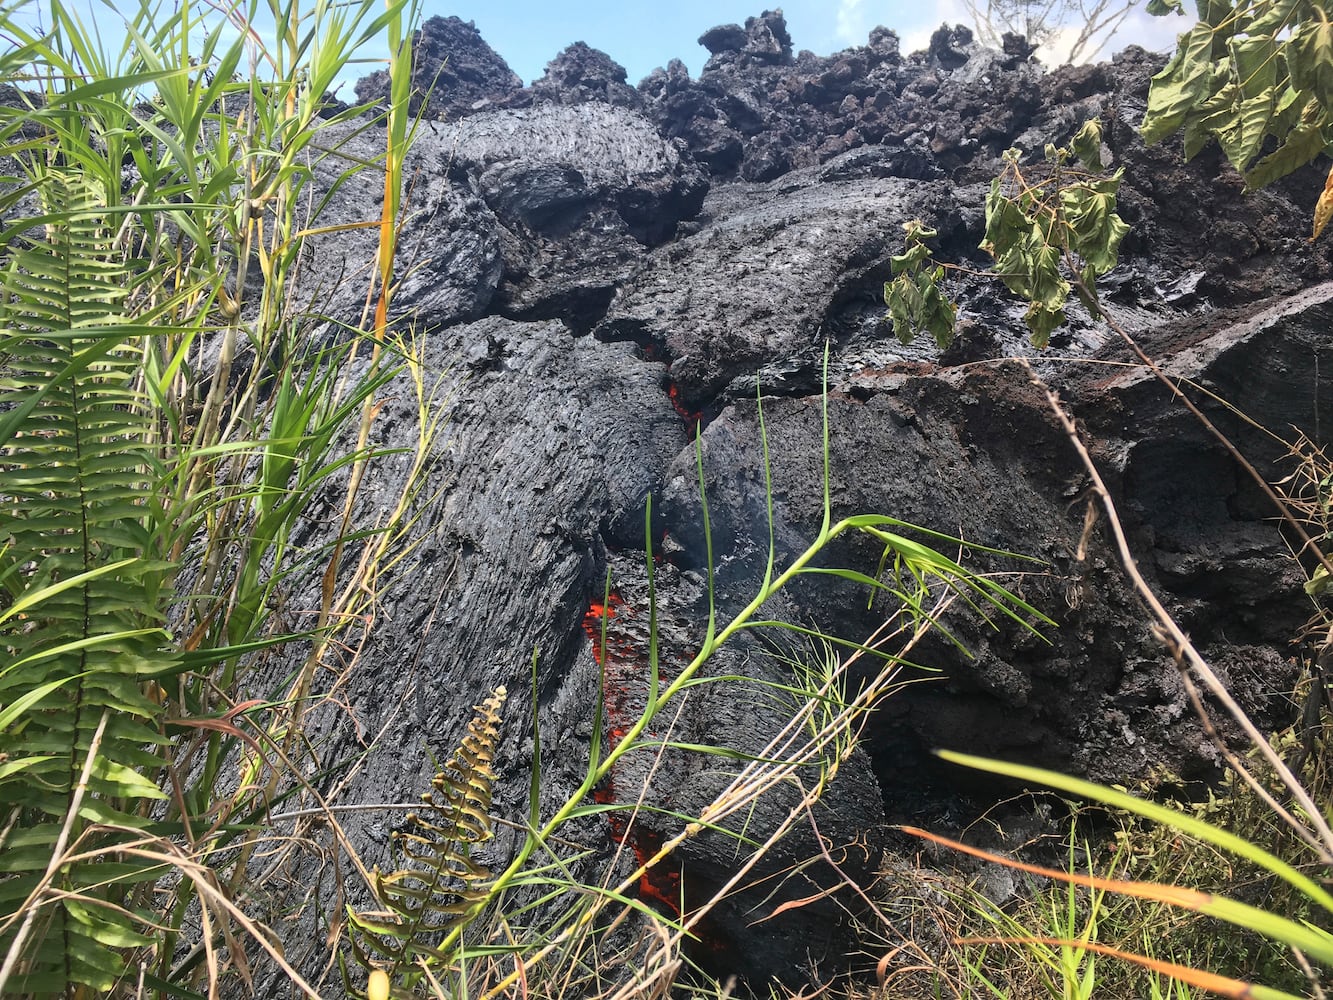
1056,939
1246,72
1041,224
1258,78
168,409
466,914
164,422
1166,891
170,404
1297,915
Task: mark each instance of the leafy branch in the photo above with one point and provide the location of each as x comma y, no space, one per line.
1043,224
1246,73
164,426
918,578
914,297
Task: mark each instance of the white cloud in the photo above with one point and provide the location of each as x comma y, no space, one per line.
1155,33
916,21
851,28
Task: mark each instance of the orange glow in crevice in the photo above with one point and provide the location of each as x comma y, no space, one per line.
592,621
658,354
620,669
692,418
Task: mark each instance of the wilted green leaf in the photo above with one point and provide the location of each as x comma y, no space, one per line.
1042,320
1302,145
1270,17
899,311
1254,61
940,315
911,296
1097,229
917,231
1310,54
1048,287
1015,269
1087,144
1032,271
1006,222
1182,86
914,298
912,258
1218,15
1212,117
1249,123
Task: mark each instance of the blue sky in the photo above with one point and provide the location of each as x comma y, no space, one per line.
643,35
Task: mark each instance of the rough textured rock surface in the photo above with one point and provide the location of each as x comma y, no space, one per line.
452,68
531,213
579,190
758,283
602,268
581,73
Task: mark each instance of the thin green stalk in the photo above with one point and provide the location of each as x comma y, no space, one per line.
600,768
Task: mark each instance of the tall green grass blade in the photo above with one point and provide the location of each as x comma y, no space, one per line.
1207,832
654,671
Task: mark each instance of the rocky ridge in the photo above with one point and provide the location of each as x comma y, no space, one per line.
599,269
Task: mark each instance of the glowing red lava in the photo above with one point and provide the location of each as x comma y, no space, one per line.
621,666
692,418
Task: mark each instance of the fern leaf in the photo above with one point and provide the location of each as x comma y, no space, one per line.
78,485
440,887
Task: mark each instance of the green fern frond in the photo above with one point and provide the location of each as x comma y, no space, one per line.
440,887
81,629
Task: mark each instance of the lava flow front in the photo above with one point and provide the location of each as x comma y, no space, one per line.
622,670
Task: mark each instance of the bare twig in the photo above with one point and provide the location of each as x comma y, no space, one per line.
1318,834
31,905
1234,761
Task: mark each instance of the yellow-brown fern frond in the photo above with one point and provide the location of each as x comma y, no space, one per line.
440,887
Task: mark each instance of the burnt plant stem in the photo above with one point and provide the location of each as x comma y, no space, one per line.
1170,634
1284,511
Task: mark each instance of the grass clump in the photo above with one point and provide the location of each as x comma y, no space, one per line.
1012,935
171,406
167,416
